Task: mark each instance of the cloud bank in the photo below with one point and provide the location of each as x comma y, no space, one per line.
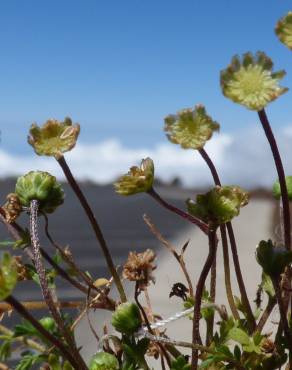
244,159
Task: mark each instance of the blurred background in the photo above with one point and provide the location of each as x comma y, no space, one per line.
118,68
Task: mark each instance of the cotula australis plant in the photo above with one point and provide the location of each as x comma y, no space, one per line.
238,341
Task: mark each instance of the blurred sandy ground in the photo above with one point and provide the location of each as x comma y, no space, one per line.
256,222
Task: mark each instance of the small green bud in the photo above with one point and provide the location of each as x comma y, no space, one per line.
137,180
40,186
250,81
190,128
273,259
104,361
48,323
219,205
284,30
277,188
127,319
8,275
54,138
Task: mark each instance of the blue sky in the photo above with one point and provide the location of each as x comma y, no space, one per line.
118,67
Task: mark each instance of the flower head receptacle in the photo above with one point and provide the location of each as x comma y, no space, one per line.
40,186
53,138
250,81
219,205
104,361
127,319
190,128
137,180
284,30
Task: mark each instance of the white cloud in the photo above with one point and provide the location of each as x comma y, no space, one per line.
244,159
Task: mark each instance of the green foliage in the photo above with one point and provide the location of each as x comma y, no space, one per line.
8,275
180,363
103,361
277,188
273,259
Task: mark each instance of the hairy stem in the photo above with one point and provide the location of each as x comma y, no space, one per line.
194,220
266,314
98,233
281,174
39,305
47,295
199,293
52,339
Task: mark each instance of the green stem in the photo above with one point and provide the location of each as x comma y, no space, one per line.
98,233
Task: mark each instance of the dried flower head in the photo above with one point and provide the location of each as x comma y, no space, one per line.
54,138
190,128
219,205
139,267
284,30
250,81
137,180
12,208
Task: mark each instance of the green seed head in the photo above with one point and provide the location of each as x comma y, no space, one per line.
127,319
8,275
40,186
250,81
277,188
190,128
53,138
137,180
104,361
219,205
284,30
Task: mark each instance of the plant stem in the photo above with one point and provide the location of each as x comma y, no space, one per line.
228,286
27,342
194,220
47,295
250,317
98,233
210,320
265,315
54,340
281,174
282,309
240,281
198,295
39,305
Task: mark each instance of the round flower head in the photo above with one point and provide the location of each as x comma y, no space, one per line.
219,205
250,81
8,275
40,186
54,138
284,30
137,180
277,188
190,128
104,361
126,319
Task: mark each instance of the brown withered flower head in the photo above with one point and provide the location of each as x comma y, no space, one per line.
139,267
12,207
